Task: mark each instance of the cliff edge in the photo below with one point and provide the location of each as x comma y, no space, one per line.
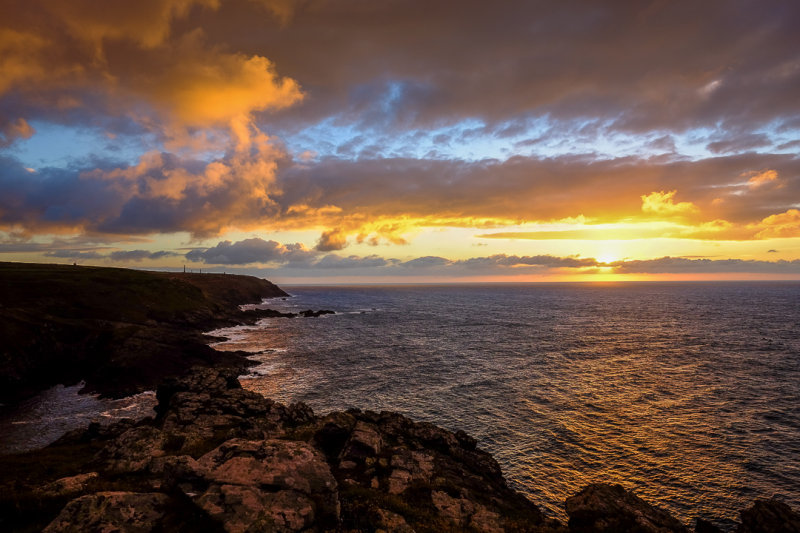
121,331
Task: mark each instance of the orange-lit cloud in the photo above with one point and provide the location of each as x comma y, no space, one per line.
785,224
762,178
15,129
663,203
215,96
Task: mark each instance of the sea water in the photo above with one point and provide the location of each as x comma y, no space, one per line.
687,393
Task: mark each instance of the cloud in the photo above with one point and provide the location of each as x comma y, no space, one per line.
717,64
70,62
334,239
679,265
427,262
75,255
213,90
663,203
786,224
249,251
331,261
13,130
514,261
139,255
761,178
380,200
739,143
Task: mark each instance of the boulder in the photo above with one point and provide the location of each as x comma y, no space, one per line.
124,512
769,516
283,485
704,526
610,508
66,486
133,450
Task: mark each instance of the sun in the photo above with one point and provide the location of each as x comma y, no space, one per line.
607,257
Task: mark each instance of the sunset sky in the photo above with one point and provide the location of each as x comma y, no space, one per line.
317,141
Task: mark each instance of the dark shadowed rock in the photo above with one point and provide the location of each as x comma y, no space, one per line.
704,526
121,331
610,508
769,516
125,512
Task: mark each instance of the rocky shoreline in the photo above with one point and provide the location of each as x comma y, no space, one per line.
216,457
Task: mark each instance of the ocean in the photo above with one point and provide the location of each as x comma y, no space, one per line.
687,393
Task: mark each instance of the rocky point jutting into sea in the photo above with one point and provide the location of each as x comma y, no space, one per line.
215,457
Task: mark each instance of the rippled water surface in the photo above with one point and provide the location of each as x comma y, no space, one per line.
687,393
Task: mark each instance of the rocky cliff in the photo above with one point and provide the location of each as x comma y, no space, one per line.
216,457
122,331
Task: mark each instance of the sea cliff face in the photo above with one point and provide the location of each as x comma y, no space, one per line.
219,458
122,331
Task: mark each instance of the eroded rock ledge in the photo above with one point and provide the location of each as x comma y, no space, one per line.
220,458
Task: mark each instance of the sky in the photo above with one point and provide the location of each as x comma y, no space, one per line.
353,141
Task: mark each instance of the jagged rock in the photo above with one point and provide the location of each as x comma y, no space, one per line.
333,433
390,522
466,513
365,441
610,508
399,481
133,450
125,512
231,457
769,516
199,413
67,485
263,481
246,508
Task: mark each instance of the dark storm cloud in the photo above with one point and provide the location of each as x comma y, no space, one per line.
645,65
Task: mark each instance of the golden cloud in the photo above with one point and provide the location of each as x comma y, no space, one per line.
207,87
663,203
761,178
785,224
127,59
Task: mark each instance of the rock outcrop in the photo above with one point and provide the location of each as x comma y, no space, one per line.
219,458
609,508
769,516
121,331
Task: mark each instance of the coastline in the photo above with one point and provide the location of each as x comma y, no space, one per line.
362,470
121,331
